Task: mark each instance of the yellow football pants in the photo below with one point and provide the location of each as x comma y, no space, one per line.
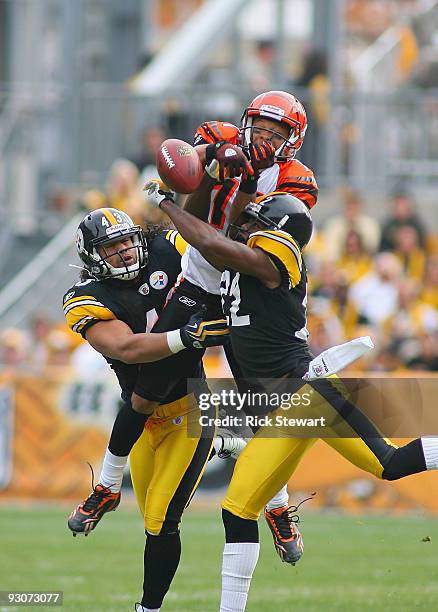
167,463
271,457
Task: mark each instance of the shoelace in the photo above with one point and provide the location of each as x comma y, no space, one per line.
96,497
290,516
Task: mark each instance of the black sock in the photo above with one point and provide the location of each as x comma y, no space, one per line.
238,529
127,429
161,560
406,460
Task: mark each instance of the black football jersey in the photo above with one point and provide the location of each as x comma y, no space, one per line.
137,303
268,326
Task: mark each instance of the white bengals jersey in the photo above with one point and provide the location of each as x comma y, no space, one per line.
291,176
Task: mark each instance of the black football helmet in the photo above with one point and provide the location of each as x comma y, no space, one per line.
102,226
277,211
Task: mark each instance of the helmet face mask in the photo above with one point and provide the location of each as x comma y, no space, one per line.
244,225
281,107
102,228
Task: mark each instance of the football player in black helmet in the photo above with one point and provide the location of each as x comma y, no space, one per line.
264,297
274,211
124,286
102,228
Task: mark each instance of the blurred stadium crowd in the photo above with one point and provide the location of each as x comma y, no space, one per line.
366,276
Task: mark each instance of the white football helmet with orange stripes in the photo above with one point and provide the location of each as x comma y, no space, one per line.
106,226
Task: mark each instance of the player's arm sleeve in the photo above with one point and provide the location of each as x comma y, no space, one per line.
282,248
175,238
81,312
304,188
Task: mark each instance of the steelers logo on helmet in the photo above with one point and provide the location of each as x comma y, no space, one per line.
98,232
284,108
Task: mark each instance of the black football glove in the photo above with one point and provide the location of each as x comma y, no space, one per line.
201,334
231,160
262,156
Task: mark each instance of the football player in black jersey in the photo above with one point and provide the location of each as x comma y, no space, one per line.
264,297
125,281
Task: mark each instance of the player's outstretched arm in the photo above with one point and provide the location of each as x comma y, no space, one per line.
198,202
220,251
116,340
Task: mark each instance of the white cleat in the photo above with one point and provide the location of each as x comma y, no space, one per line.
228,444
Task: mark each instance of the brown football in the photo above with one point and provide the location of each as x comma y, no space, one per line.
179,166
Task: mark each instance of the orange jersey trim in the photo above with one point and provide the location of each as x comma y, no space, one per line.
297,179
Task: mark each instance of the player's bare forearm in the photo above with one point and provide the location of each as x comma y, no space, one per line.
195,231
220,251
198,202
201,151
116,340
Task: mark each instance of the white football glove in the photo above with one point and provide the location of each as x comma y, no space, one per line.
212,169
157,192
337,358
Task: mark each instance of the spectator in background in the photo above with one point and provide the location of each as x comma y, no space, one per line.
345,310
151,139
336,229
60,344
330,299
92,200
427,356
368,18
375,296
325,331
411,256
123,191
355,262
402,214
314,78
88,364
412,317
122,188
14,351
388,359
259,65
40,327
429,293
324,285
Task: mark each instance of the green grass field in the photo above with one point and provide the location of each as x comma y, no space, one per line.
351,563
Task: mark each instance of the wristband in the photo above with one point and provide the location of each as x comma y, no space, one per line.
210,153
174,341
211,150
249,185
